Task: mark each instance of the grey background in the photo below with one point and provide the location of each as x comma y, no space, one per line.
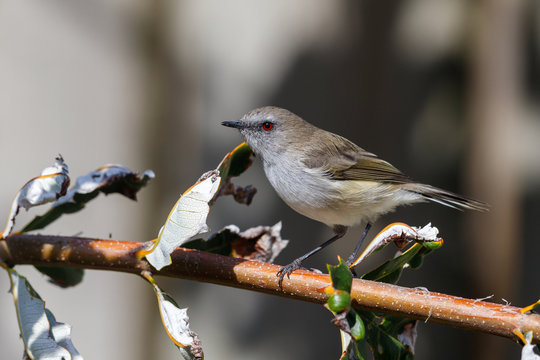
446,90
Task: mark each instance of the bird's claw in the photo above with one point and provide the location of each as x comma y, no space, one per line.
287,270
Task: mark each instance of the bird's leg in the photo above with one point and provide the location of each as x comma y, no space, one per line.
339,231
353,256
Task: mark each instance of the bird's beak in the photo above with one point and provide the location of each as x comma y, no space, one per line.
233,124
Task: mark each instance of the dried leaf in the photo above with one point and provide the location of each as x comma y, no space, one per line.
407,336
49,186
106,179
186,219
401,234
176,323
242,195
43,337
261,243
528,350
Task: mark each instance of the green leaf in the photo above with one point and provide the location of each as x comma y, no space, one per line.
341,276
236,162
63,277
390,271
356,324
432,245
382,338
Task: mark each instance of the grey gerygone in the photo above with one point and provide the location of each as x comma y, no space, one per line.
330,179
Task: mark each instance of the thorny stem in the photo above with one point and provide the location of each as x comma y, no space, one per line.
304,285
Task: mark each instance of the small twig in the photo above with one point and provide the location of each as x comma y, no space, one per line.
303,285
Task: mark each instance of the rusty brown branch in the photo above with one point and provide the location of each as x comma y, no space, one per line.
303,285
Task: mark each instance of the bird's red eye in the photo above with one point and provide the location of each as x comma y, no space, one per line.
267,126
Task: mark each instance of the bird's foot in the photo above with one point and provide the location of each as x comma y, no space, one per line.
287,270
350,260
350,263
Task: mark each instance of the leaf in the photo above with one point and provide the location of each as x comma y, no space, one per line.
345,318
261,243
382,338
43,337
341,276
528,350
106,179
63,277
391,270
401,234
217,243
176,323
389,337
61,333
407,335
242,195
350,350
358,331
186,219
234,164
49,186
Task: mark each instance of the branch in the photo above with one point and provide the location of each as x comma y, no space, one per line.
303,285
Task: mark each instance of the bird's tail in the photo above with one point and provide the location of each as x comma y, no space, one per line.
446,197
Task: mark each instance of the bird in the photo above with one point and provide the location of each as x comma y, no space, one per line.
328,178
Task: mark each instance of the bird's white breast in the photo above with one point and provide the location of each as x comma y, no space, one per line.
333,202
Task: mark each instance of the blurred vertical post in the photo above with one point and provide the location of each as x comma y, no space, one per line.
495,61
171,98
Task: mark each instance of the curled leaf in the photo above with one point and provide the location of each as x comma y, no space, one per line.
528,351
43,336
261,243
407,335
234,164
242,195
176,323
49,186
401,234
106,179
186,219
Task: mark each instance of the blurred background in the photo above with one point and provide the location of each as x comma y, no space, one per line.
446,90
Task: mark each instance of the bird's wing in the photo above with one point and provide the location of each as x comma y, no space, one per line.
341,159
